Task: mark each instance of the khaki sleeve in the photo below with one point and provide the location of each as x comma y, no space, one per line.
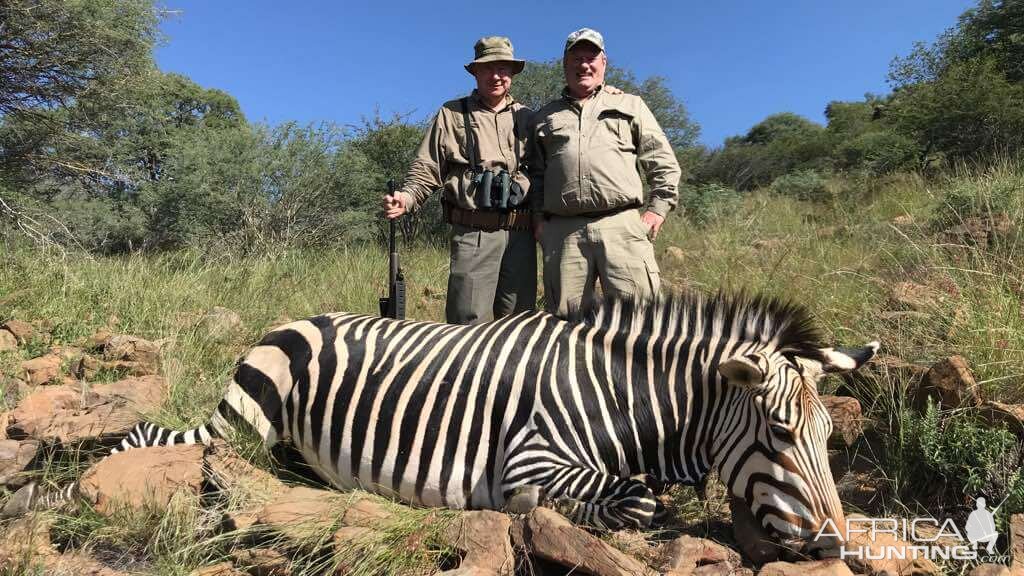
424,175
659,164
536,163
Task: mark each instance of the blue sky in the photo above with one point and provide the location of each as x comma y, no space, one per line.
731,62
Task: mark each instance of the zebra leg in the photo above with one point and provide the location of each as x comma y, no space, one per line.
590,497
147,435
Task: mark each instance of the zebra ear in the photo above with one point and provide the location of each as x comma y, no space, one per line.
838,360
744,370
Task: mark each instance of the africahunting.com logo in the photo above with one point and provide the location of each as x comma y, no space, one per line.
927,537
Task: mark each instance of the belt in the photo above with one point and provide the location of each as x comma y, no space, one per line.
598,214
489,220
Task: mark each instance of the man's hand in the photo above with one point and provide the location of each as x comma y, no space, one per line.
653,223
395,206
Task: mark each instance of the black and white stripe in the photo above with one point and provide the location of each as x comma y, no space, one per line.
583,408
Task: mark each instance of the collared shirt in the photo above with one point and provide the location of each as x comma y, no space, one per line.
442,160
587,156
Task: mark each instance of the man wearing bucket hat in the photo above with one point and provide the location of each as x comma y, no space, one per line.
475,150
590,150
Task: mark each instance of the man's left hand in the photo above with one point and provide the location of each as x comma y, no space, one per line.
653,223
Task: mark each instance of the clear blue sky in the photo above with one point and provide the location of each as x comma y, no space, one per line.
732,62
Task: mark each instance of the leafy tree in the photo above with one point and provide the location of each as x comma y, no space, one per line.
53,52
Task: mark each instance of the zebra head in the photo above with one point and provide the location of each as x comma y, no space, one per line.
774,457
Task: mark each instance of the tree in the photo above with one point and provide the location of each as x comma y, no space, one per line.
54,51
542,82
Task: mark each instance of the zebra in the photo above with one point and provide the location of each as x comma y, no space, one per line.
589,413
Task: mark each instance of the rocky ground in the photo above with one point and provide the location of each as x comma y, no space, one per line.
80,398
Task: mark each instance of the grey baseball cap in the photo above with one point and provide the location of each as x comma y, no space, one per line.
584,35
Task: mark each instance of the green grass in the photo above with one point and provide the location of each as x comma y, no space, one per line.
840,258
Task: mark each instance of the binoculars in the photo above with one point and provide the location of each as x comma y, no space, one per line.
497,190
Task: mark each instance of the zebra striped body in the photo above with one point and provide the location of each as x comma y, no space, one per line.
465,416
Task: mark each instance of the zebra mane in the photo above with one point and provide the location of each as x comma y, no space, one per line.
778,324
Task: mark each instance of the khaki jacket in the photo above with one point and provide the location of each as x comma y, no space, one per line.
442,160
585,159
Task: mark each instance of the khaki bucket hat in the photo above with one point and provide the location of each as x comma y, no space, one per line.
495,49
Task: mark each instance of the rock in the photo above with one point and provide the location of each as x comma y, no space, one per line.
15,458
262,562
349,544
21,330
893,367
87,367
26,539
682,556
483,539
302,511
149,477
1017,542
7,341
914,296
548,535
834,567
950,384
79,564
42,370
676,255
231,473
903,221
990,570
633,543
70,413
754,543
1009,415
846,419
99,339
866,546
973,231
141,354
221,322
467,571
368,513
222,569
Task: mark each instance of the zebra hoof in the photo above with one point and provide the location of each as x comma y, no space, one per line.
20,502
524,499
565,506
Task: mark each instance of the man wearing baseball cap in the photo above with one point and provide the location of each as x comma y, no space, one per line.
475,150
590,151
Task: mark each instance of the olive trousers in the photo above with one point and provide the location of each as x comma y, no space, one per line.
492,274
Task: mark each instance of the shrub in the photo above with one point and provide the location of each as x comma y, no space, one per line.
879,153
705,203
803,185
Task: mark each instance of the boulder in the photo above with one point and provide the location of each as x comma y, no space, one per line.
368,513
15,458
834,567
914,296
7,341
684,555
262,562
71,413
220,323
42,370
874,547
21,330
903,221
949,383
79,564
142,355
222,569
231,473
1017,542
754,543
548,535
1009,415
990,570
846,419
894,367
302,511
26,539
482,538
139,478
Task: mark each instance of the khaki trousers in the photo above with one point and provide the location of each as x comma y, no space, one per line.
492,274
580,250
